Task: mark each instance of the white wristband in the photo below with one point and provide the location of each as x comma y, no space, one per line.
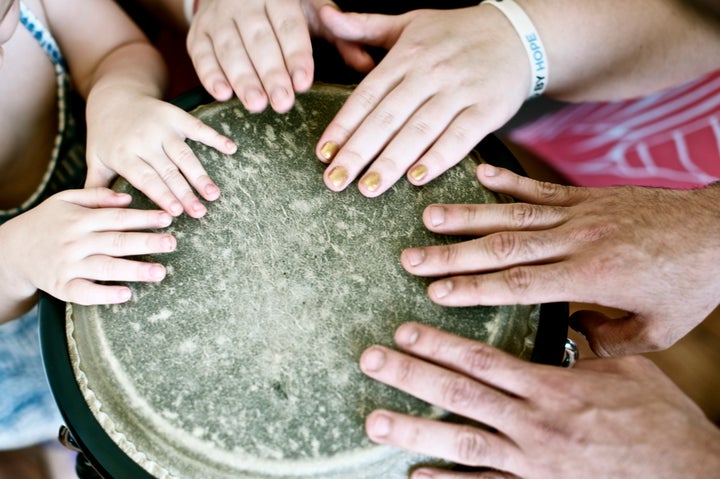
530,40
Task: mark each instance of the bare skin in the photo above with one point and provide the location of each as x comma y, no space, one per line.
605,418
653,251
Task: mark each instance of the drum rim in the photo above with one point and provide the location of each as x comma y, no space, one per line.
106,456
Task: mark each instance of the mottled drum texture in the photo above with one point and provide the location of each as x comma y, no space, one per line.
242,363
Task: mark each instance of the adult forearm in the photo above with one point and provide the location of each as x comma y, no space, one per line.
615,49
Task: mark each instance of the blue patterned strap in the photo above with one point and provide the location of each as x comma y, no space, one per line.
42,35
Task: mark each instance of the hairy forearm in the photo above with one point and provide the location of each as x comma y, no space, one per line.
616,49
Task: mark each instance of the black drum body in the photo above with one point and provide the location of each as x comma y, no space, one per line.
243,361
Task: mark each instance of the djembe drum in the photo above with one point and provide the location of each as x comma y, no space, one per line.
242,363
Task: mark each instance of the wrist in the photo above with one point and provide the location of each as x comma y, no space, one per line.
17,295
526,31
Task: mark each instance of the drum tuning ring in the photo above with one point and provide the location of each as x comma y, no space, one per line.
572,354
66,439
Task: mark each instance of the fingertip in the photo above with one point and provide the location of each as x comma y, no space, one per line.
254,100
221,90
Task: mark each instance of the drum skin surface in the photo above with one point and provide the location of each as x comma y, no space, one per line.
243,362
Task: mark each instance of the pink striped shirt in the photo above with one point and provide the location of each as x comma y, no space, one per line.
668,139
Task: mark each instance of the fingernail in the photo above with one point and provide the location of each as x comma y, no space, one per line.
490,170
230,146
440,289
299,78
164,219
170,243
418,172
279,95
415,256
371,181
373,359
407,335
329,150
212,192
157,272
252,96
380,426
176,209
198,210
437,215
338,176
124,295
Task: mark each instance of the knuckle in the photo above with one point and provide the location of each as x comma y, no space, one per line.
449,254
503,245
421,127
405,371
518,279
472,447
551,191
523,215
478,359
366,97
459,392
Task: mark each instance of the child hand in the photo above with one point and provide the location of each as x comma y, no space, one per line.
147,147
76,238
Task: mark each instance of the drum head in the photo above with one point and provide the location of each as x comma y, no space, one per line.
243,361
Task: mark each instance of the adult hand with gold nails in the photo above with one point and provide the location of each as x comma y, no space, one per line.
602,419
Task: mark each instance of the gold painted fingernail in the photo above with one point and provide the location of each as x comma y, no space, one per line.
329,150
418,172
371,181
338,176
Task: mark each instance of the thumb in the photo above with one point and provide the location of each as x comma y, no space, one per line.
98,176
607,336
366,28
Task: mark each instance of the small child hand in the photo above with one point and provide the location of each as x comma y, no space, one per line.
147,147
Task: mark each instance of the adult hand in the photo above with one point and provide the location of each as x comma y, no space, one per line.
450,77
654,253
76,238
604,418
147,147
261,49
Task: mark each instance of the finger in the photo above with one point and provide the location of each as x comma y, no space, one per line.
461,135
368,29
492,252
525,189
470,446
472,358
620,336
531,284
361,102
446,389
172,178
484,219
145,178
419,129
237,67
126,219
85,292
265,55
291,31
356,148
108,268
202,54
355,56
96,198
120,244
194,129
